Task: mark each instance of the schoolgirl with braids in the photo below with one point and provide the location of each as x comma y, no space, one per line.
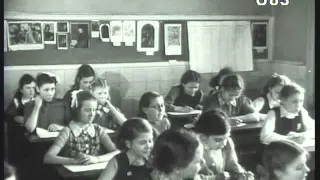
46,111
82,142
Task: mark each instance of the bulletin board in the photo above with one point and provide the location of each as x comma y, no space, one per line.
98,53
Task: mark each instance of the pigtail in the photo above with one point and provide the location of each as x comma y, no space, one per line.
74,99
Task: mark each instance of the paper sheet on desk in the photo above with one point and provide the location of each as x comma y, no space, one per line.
308,143
43,133
194,112
90,167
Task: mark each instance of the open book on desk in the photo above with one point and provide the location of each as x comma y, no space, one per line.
90,167
43,133
194,112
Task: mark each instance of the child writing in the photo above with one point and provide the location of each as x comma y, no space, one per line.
151,107
46,111
107,115
135,140
230,100
284,160
81,142
219,151
270,97
24,94
290,120
186,96
214,83
84,77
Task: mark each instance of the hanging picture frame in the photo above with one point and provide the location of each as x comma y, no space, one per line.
24,35
49,32
172,39
95,24
79,33
105,32
62,41
148,36
129,32
63,27
116,32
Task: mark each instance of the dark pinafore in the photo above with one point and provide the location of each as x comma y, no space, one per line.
284,125
265,108
127,171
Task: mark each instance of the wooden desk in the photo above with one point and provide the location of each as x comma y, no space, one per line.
65,174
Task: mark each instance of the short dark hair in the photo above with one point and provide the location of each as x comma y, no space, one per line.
190,76
81,97
24,79
290,89
84,71
145,101
232,82
215,81
174,148
275,80
9,170
130,130
213,122
43,78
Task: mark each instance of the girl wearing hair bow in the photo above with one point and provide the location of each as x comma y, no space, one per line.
270,97
82,142
46,111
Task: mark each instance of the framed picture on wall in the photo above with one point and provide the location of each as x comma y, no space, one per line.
79,35
172,39
24,35
63,27
129,32
49,32
116,32
95,24
260,40
148,36
62,41
105,32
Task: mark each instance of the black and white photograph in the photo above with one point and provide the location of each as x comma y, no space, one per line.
105,32
49,32
148,36
260,34
62,41
95,24
116,32
129,32
63,27
24,35
79,35
172,39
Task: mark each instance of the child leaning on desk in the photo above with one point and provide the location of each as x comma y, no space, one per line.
81,142
289,121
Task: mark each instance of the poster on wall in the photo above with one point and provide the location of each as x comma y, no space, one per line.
79,35
148,37
129,32
49,32
24,35
95,24
62,40
5,44
172,39
104,32
63,27
116,32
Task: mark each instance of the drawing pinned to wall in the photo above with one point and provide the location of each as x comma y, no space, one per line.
62,40
129,32
49,32
24,35
95,24
260,40
79,35
172,39
148,37
105,32
116,32
5,44
63,27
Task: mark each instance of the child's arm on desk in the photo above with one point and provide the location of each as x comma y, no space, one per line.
309,124
247,111
108,145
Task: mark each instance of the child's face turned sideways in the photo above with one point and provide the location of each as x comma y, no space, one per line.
293,103
142,145
47,91
156,110
28,90
296,170
88,111
275,92
101,93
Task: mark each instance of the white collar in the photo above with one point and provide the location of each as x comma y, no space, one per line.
74,127
103,108
272,103
287,114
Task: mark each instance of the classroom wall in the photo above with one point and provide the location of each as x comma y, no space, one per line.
140,7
